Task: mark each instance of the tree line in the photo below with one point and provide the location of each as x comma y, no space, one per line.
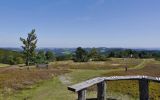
31,56
11,57
82,55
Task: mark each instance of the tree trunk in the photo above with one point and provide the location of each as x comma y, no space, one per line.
27,63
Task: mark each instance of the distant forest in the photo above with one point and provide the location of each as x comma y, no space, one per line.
14,55
11,57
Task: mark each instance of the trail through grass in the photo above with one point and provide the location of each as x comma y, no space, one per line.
56,89
47,90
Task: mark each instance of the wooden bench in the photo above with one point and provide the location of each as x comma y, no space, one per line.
81,88
42,66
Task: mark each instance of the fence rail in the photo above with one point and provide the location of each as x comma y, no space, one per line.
101,82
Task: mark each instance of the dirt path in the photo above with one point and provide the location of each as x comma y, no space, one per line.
69,78
56,89
65,79
3,69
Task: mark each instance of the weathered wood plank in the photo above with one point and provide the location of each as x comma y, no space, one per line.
143,89
112,78
101,91
86,84
82,95
155,79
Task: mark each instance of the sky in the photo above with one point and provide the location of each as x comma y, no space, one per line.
85,23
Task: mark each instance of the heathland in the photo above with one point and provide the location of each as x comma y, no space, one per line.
19,83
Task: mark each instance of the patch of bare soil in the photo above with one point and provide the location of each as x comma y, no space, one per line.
66,80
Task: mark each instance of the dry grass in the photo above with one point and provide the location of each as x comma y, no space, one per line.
131,87
14,79
99,65
17,79
150,69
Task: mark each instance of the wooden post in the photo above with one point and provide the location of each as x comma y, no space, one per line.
143,89
82,94
101,91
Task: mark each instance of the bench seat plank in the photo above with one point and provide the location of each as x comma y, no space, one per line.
86,84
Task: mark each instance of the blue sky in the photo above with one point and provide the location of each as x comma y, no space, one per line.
86,23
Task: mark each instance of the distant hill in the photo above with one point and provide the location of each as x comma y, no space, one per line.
59,51
63,51
12,49
9,52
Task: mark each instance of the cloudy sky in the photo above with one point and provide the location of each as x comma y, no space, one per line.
86,23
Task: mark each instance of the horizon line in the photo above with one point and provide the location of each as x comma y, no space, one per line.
96,47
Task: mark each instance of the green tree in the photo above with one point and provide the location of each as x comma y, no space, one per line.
29,46
111,54
93,54
65,57
41,58
128,52
101,58
50,56
81,55
19,60
11,60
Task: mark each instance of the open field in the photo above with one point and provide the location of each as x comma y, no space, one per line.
14,79
99,65
51,84
151,69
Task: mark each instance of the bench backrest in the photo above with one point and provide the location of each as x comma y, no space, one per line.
42,66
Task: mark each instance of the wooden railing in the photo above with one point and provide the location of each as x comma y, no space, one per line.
101,86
